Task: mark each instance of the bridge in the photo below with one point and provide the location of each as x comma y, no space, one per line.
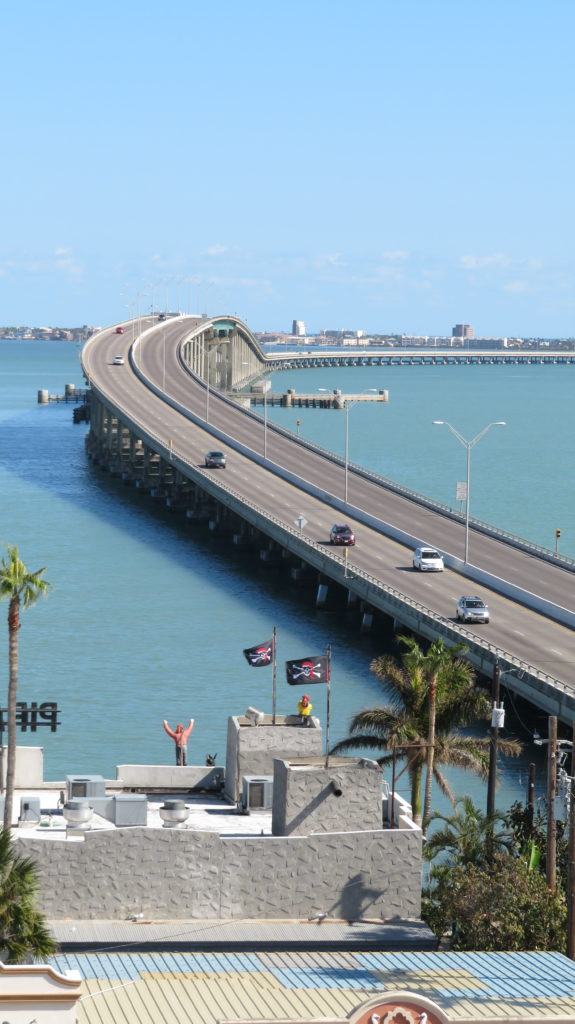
154,417
419,357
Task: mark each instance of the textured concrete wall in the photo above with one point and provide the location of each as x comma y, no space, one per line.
344,797
149,777
251,749
198,875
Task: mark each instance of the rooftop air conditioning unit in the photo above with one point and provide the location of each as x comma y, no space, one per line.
82,787
257,793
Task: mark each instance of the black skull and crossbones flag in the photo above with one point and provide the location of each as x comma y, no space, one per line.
260,655
307,670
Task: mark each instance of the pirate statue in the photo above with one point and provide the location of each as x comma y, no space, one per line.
305,708
180,738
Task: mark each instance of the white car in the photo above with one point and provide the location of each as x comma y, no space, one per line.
472,609
428,560
118,361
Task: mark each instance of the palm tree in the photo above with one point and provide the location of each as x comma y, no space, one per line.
468,835
22,589
23,929
405,720
438,658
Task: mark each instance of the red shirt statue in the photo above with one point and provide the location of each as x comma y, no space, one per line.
180,738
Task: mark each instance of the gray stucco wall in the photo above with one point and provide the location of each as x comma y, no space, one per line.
251,749
198,875
344,797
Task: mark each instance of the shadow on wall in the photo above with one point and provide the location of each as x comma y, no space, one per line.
356,898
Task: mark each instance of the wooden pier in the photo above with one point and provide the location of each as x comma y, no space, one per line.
71,394
318,400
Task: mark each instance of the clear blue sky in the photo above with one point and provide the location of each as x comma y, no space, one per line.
375,164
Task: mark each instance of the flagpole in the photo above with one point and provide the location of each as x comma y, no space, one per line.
274,676
328,709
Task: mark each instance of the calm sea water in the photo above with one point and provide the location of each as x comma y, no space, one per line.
148,614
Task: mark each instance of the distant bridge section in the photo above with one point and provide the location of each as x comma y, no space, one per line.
416,357
223,353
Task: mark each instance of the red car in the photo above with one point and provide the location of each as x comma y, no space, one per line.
342,535
119,330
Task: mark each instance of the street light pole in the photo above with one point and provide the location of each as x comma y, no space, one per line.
265,423
346,450
348,406
468,445
207,381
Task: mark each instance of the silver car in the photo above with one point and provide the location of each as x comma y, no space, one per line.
428,560
472,609
215,460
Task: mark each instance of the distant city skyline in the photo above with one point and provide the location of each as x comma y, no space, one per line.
395,168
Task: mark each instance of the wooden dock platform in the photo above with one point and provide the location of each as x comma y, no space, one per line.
318,400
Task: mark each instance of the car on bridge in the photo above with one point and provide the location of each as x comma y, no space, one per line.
343,535
119,330
118,361
215,460
472,609
428,560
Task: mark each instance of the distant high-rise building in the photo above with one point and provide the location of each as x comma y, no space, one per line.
298,328
462,331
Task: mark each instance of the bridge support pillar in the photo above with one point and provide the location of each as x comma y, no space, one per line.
321,596
270,555
298,572
352,599
366,620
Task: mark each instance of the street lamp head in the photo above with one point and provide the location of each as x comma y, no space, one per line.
439,423
500,423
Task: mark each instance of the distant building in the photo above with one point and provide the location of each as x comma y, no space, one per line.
462,331
298,328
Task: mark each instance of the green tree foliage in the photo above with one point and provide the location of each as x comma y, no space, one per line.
529,830
21,588
23,929
468,836
405,720
503,906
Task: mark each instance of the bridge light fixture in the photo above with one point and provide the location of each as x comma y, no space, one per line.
468,445
347,407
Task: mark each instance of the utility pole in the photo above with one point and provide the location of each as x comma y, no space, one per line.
551,794
495,723
571,867
531,790
571,872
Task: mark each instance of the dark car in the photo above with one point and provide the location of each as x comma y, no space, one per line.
342,535
119,330
215,460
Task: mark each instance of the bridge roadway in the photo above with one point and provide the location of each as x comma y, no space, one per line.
524,634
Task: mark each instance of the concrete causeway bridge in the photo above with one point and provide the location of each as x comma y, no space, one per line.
419,357
155,415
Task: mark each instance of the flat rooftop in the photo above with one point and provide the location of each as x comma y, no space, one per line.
208,813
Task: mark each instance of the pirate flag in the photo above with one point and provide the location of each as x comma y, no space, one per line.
259,655
307,670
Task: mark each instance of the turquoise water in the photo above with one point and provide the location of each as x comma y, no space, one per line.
148,614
